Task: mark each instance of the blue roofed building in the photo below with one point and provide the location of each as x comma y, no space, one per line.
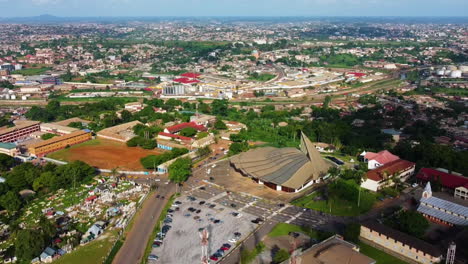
443,209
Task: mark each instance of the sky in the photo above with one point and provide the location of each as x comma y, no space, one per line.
92,8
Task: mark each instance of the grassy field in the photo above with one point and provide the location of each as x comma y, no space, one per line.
32,71
333,206
378,255
93,252
283,229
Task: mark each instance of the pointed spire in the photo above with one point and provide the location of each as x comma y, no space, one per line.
427,191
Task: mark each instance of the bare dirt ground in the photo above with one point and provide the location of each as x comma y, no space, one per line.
226,177
105,154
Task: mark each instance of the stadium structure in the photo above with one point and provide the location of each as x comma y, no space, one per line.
283,169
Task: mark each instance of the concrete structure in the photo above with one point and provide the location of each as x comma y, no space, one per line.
8,149
398,244
121,133
134,107
385,175
334,250
57,143
21,130
285,169
57,129
461,192
443,209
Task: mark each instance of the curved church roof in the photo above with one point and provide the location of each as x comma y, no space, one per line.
288,167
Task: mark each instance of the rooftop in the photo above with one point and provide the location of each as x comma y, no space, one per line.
389,169
18,125
448,180
403,238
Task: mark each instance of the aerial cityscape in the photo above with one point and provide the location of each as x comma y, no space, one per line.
231,132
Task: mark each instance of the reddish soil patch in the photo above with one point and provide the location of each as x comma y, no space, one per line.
109,155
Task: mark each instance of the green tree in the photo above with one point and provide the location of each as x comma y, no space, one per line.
352,232
238,147
29,244
11,202
281,256
220,125
180,170
6,162
412,223
327,101
48,136
188,132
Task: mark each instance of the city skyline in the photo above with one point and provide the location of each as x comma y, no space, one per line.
197,8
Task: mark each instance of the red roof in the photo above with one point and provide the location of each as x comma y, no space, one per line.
382,157
179,127
191,75
390,168
186,80
357,74
91,198
174,136
448,180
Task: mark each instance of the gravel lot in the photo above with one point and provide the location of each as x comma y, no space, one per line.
182,242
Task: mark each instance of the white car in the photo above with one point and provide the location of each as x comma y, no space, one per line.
232,240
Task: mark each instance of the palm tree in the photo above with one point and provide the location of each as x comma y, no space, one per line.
114,172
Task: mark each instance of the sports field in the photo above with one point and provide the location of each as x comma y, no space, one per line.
105,154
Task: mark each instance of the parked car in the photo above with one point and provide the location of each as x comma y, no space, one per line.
153,257
214,258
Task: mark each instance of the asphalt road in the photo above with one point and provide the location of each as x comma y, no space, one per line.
135,243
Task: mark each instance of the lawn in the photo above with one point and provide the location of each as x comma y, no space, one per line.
283,229
32,71
332,206
93,252
378,255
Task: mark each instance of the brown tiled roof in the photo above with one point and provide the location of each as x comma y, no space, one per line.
389,169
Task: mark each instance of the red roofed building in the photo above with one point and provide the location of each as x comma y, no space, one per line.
186,80
447,180
356,74
169,136
375,160
383,176
191,75
179,127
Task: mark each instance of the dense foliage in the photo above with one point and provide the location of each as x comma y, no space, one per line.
153,161
410,222
180,170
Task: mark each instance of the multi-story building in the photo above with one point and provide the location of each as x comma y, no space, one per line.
51,80
398,244
8,149
56,143
57,129
387,174
21,130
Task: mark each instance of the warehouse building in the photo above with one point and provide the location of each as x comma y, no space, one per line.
121,133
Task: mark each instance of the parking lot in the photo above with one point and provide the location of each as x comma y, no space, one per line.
182,243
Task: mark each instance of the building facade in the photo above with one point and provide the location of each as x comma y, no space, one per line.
387,174
42,148
398,244
21,131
